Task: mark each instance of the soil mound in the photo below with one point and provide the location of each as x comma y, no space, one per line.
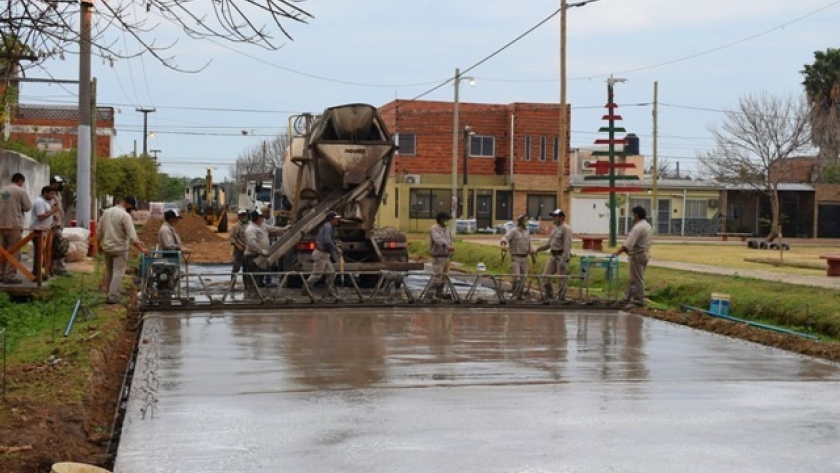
205,244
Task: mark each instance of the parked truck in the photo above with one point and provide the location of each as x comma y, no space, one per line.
340,161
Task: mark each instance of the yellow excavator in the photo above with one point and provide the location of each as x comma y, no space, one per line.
209,202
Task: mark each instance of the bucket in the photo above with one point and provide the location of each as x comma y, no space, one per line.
720,304
70,467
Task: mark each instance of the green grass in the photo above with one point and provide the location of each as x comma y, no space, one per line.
796,307
29,325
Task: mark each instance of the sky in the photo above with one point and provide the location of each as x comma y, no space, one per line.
704,56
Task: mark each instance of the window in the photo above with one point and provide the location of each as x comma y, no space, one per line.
543,150
539,206
556,148
482,146
527,148
643,203
407,144
425,203
695,208
504,205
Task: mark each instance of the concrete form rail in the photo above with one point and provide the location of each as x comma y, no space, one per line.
383,288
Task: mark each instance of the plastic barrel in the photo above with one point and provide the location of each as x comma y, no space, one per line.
70,467
720,304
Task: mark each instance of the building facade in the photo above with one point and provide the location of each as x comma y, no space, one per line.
506,163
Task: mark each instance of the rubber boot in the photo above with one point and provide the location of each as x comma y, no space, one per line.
549,292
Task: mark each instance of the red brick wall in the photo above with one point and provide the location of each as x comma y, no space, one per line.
432,123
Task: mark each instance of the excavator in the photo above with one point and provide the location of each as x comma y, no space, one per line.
208,202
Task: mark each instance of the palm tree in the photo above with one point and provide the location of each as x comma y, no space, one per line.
822,86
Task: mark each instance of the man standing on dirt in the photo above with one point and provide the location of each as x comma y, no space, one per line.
325,247
43,216
237,241
440,246
116,235
560,245
13,203
637,247
518,241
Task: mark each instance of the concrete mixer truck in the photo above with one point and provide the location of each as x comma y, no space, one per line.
339,161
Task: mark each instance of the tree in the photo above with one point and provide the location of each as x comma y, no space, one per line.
50,30
822,86
171,189
261,158
755,144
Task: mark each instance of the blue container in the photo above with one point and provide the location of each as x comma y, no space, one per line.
720,304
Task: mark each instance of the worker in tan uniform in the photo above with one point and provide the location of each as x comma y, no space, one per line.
237,241
116,235
517,241
257,244
13,203
57,184
559,245
637,247
440,246
168,238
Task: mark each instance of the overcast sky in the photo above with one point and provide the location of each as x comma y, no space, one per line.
705,55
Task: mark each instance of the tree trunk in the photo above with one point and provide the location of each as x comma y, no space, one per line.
775,231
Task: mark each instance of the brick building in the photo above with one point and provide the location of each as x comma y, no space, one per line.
54,127
507,162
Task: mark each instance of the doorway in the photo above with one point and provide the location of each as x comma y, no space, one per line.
484,210
663,217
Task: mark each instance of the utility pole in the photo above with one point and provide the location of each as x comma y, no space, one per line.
94,207
655,207
455,136
83,188
561,155
145,112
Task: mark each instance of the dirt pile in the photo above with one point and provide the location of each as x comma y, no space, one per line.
205,245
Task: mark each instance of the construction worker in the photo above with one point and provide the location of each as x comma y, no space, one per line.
440,246
116,235
518,242
43,216
168,238
13,203
238,242
637,247
57,184
559,245
256,245
325,246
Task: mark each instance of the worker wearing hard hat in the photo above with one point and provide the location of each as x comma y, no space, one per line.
559,245
518,242
256,249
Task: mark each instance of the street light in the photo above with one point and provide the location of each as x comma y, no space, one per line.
455,136
146,111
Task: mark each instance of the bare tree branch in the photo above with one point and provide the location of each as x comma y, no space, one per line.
260,159
755,143
50,28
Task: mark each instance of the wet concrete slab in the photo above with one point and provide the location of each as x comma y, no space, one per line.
443,390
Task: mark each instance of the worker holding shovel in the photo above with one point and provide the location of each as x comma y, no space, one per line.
518,241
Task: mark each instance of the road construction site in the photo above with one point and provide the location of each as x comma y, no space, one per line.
454,389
